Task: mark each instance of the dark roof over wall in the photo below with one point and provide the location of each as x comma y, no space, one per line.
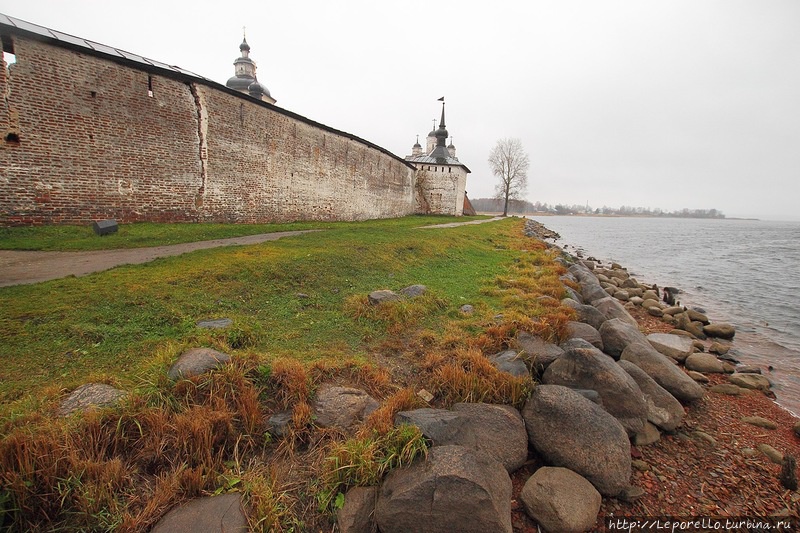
12,25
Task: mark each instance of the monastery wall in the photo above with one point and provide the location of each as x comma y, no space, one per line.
87,138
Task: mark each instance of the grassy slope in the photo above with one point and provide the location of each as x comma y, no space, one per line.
112,324
300,319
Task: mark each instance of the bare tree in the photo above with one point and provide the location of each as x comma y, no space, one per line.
509,162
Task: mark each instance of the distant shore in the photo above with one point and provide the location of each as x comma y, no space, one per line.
600,215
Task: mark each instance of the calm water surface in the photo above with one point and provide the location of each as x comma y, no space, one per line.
745,272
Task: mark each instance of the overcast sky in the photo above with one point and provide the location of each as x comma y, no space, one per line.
655,103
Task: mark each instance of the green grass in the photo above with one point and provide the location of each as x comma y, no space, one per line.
139,235
287,298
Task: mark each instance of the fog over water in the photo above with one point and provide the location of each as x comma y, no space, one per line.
739,271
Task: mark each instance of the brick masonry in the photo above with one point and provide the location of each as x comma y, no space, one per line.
83,139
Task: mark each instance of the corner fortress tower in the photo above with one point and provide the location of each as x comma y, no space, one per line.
441,177
245,80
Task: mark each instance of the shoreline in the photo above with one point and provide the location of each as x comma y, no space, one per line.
716,463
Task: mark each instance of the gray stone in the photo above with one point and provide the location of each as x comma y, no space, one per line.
558,499
759,421
650,294
197,361
697,316
466,309
219,323
279,423
441,426
611,308
673,310
537,352
722,331
383,296
342,407
90,396
649,435
663,371
432,494
573,294
591,291
678,348
655,311
727,388
750,381
622,295
617,335
697,376
719,348
497,431
663,409
796,428
704,437
652,303
586,313
631,494
568,430
774,455
579,330
705,363
510,362
413,291
746,369
212,514
356,514
589,368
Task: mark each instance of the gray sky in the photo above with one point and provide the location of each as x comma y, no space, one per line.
652,103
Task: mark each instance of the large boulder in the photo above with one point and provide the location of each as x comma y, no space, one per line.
510,362
750,381
560,500
454,489
582,273
589,368
342,407
587,314
568,430
591,291
617,334
495,430
356,514
663,371
719,330
611,308
579,330
663,409
197,361
90,396
440,426
211,514
537,352
382,296
704,362
673,346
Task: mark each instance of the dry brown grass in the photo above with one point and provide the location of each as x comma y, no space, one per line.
468,376
122,469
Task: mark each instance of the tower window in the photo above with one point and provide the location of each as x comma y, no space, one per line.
150,86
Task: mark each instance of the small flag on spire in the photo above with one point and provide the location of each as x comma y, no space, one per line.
440,99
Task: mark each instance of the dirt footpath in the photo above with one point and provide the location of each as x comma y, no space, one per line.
20,268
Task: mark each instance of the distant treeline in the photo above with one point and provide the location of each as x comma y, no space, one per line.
524,207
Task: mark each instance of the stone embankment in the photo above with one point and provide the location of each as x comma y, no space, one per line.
603,392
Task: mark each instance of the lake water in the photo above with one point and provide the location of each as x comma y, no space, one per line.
745,272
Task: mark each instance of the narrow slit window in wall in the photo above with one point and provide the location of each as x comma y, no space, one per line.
150,86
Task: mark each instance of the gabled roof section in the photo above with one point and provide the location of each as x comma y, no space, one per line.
18,26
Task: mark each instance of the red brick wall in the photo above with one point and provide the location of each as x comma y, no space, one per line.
93,144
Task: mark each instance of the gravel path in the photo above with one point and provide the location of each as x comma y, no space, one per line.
20,268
